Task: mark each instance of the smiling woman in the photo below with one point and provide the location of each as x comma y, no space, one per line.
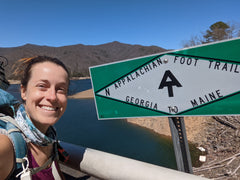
45,94
44,87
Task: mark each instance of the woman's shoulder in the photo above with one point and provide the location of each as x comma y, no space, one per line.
6,145
6,156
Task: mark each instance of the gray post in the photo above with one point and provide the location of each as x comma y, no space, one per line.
180,143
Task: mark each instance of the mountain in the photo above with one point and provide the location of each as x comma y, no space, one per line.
78,58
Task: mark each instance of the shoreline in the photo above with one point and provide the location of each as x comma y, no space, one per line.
80,78
13,81
195,126
87,94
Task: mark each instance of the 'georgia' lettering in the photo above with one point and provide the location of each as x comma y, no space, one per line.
141,102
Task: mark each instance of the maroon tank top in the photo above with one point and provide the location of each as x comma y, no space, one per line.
44,174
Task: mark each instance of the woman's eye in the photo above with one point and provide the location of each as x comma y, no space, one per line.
41,86
62,90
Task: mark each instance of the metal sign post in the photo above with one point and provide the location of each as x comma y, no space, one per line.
180,144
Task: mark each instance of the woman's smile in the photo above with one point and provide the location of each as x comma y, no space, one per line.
48,108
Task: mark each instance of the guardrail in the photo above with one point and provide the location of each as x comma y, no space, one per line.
104,165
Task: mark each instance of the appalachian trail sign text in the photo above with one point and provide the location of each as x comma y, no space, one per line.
203,80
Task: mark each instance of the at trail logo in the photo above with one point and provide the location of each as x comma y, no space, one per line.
169,84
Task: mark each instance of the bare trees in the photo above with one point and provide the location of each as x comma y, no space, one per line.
216,32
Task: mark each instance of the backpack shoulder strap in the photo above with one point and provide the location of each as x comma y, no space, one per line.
15,135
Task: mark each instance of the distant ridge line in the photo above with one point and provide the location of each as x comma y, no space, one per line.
78,58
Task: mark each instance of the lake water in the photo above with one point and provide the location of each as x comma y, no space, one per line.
79,125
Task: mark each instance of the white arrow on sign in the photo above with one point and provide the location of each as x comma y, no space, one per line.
175,83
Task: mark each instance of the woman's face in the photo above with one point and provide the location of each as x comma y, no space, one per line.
46,94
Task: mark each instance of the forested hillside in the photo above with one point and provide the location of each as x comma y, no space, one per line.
78,58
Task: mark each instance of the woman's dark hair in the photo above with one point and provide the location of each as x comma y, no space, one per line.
23,67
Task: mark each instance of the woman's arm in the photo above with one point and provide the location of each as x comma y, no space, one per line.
6,157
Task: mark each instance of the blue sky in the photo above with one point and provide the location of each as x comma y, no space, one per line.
164,23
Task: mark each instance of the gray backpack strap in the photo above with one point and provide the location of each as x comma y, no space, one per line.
44,166
16,136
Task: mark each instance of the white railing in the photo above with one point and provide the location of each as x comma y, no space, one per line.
104,165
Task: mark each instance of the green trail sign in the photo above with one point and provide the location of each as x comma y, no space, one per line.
202,80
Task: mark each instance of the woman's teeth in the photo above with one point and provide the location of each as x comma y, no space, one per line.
49,108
